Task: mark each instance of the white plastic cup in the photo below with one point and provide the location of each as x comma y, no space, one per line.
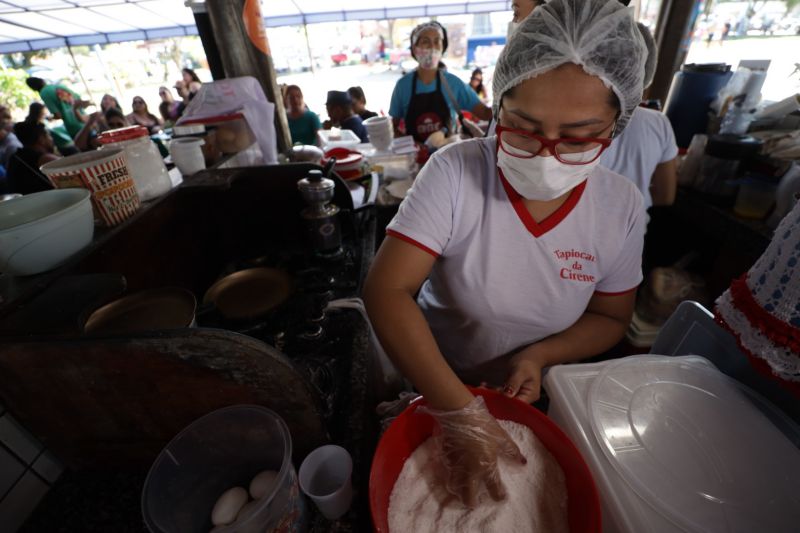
380,132
325,477
187,155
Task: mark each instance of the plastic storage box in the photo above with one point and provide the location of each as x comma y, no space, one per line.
674,445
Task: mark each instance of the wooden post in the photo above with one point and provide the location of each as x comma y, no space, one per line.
244,50
673,37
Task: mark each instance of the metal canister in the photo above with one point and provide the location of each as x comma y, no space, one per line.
321,216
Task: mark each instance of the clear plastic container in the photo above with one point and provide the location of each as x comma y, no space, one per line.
676,446
145,163
755,198
231,133
224,449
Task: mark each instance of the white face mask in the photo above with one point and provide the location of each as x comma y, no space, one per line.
541,178
428,57
512,27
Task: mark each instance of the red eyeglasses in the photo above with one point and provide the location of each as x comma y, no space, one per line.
568,150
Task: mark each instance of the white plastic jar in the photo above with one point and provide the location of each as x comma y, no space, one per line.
145,164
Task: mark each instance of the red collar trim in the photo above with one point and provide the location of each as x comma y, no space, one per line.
537,229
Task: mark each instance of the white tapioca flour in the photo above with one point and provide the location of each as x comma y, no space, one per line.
536,500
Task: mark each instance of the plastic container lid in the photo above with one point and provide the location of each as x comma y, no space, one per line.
123,134
191,129
696,446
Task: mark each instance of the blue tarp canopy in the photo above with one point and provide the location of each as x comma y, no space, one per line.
38,24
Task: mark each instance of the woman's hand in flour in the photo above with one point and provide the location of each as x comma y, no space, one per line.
470,441
524,380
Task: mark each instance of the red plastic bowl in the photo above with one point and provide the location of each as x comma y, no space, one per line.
411,428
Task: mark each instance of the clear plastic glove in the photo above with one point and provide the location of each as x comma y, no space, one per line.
469,443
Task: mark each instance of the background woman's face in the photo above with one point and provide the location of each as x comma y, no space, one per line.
295,98
116,123
107,102
430,38
563,102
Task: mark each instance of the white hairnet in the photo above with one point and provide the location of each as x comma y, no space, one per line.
652,54
599,35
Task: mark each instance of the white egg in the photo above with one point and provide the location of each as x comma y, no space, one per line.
228,506
248,510
263,483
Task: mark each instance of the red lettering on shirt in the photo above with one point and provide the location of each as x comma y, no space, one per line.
566,255
567,273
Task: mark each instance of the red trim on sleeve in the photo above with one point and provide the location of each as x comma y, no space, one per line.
759,364
775,329
601,293
409,240
537,229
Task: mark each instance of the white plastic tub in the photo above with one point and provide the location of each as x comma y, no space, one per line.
40,231
676,446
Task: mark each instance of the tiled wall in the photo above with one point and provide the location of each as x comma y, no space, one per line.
27,471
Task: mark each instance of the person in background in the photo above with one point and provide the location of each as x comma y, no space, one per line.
114,119
9,143
24,176
423,99
183,91
340,110
141,116
521,10
360,103
188,75
194,88
646,152
107,102
63,103
37,112
168,108
303,123
516,252
476,83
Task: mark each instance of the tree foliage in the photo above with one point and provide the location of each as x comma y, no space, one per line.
16,93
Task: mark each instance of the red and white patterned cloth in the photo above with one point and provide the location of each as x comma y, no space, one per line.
762,308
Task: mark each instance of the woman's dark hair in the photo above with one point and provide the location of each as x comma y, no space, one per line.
357,93
29,132
479,89
116,103
113,112
34,112
37,84
164,109
292,88
191,73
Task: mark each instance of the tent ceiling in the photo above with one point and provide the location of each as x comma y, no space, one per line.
37,24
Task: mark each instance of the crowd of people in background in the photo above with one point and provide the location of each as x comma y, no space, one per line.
32,142
346,110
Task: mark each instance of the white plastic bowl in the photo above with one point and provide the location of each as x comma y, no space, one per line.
40,231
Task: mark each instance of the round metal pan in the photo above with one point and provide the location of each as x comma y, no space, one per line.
148,310
249,293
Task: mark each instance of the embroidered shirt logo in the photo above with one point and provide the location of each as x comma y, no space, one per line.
576,262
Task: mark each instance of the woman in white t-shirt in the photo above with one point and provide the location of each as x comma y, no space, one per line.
524,252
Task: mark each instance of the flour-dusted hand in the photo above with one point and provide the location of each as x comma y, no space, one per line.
469,442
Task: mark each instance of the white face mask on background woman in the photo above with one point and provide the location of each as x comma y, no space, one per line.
427,57
541,177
